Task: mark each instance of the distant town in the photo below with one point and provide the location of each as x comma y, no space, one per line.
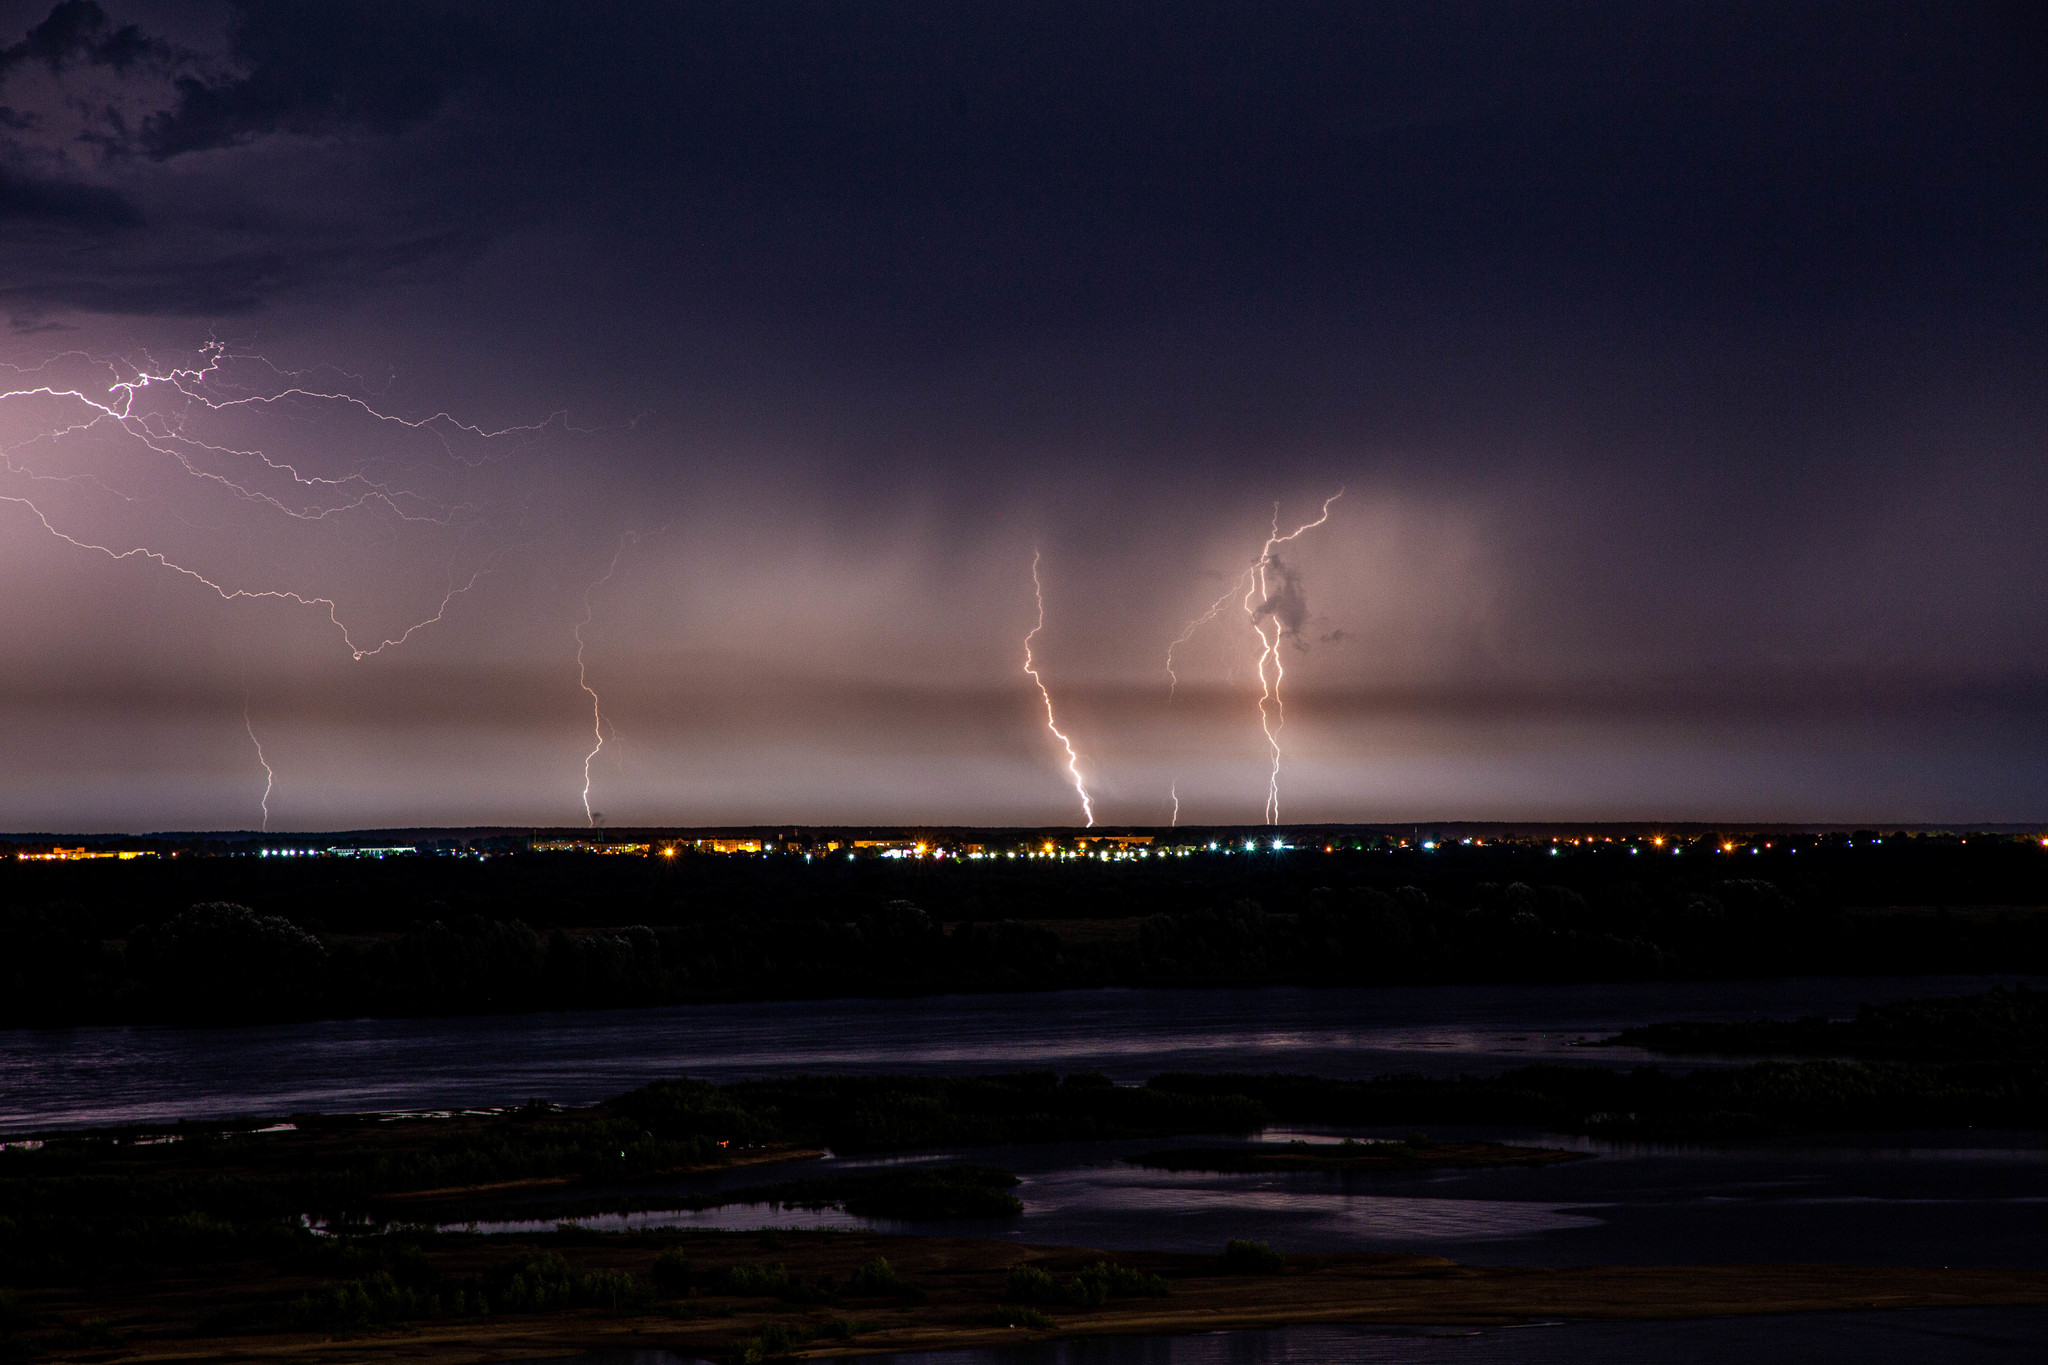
979,845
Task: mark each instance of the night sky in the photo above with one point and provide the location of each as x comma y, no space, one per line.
1681,366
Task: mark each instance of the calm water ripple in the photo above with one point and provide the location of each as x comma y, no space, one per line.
151,1074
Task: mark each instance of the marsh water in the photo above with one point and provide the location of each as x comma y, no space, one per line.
1956,1198
155,1074
1927,1199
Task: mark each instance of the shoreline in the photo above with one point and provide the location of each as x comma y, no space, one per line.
959,1283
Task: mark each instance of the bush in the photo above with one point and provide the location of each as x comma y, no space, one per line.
536,1283
1029,1284
1008,1315
1252,1258
360,1303
1089,1289
772,1341
874,1279
1122,1282
753,1279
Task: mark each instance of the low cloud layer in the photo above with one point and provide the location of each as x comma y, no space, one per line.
1682,371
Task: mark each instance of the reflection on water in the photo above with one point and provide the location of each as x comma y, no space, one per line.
1965,1201
54,1077
1143,1208
726,1217
1956,1336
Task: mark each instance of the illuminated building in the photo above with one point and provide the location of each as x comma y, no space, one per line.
82,855
585,846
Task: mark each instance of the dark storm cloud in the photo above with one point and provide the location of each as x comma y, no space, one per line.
91,208
314,71
79,31
1090,166
231,238
207,278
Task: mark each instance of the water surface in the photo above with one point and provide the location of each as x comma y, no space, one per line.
1961,1198
152,1073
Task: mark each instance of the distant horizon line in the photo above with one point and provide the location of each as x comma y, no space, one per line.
633,833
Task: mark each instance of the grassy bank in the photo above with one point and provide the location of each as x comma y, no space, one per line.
735,1296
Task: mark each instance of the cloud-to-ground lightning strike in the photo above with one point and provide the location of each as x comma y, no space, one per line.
1275,721
269,775
155,409
1030,667
583,675
1258,604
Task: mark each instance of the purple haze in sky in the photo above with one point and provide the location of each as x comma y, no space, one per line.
1683,367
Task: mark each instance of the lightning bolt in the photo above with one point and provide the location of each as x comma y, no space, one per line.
166,434
1275,721
1073,759
227,594
269,776
1256,596
1173,678
1215,609
583,676
157,411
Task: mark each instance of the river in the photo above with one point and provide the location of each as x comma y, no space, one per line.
157,1074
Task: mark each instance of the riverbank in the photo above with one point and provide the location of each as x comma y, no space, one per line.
953,1294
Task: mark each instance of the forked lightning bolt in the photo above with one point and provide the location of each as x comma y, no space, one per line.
1073,759
1256,596
163,434
153,407
1275,721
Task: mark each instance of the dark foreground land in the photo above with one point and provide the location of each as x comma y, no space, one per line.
757,1296
234,939
316,1235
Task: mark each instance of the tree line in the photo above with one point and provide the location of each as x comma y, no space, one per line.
221,962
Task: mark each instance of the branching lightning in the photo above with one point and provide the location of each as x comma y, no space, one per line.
1073,758
156,409
1258,612
164,433
1257,598
1215,609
